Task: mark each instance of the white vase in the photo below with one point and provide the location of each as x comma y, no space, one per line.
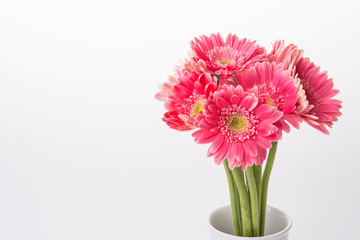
277,225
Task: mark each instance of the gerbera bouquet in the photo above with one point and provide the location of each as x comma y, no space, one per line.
240,99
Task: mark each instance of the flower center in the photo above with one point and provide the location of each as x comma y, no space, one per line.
270,102
224,62
221,57
194,104
198,107
272,96
238,123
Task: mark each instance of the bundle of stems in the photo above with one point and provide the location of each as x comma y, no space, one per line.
248,196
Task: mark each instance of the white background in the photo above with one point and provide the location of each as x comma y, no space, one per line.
84,153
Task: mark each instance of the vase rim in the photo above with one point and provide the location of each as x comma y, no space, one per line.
267,237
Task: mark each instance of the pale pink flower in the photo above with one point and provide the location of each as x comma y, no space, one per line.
287,55
276,88
238,126
165,89
323,109
223,58
189,94
189,65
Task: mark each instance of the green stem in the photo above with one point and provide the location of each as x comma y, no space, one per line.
238,175
257,174
234,199
264,186
239,210
237,201
253,200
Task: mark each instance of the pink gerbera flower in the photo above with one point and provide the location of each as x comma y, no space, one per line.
239,128
289,56
223,58
189,94
323,109
276,88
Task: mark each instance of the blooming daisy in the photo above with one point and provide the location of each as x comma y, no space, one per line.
276,88
238,126
289,56
187,99
323,109
223,58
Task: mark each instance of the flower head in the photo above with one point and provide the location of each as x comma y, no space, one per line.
289,56
275,87
323,110
238,126
223,58
187,99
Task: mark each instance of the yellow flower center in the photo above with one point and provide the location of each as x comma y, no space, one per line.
238,123
199,107
270,102
224,62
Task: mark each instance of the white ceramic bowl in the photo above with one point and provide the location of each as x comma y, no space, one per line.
277,225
